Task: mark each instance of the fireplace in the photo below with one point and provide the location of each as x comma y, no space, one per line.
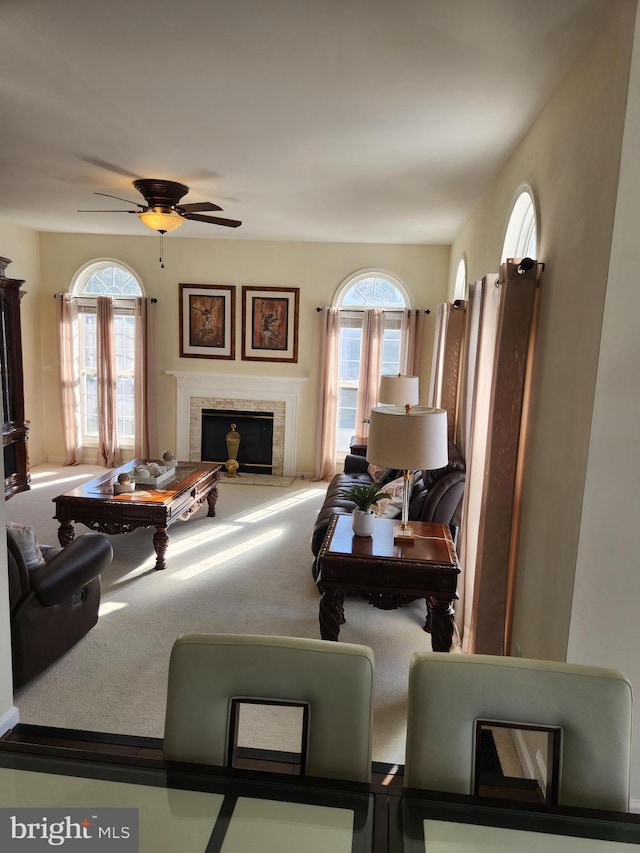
255,431
277,394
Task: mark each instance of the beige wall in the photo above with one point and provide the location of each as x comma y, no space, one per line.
604,617
316,268
570,158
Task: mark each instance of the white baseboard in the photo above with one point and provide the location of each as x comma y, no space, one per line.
634,806
9,720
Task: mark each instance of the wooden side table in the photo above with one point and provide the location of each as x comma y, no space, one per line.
389,575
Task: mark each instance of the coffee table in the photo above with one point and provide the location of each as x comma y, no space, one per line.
95,505
389,575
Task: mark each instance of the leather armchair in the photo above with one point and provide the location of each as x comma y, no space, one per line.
55,605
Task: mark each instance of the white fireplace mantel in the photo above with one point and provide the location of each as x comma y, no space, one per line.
211,386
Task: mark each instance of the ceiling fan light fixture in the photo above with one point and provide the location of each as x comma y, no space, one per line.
161,220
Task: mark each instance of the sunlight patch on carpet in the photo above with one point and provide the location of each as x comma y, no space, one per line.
107,607
279,506
213,561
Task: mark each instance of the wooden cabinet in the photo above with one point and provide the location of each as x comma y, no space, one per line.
14,427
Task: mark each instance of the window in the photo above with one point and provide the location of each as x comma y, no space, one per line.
460,286
521,237
107,278
365,290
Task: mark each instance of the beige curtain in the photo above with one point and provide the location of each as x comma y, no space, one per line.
411,332
370,366
328,394
145,440
108,447
67,319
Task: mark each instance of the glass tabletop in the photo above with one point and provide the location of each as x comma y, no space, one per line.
437,826
132,809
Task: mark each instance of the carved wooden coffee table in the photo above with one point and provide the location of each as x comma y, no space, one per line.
389,575
94,504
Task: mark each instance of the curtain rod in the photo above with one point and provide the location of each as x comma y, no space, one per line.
83,296
384,310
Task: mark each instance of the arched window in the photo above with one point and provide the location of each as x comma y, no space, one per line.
460,286
107,278
370,289
521,236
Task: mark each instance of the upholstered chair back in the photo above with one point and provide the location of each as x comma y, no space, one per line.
592,705
207,671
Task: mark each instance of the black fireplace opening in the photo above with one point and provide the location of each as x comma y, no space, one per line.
255,451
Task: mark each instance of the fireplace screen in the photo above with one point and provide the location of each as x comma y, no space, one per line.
244,436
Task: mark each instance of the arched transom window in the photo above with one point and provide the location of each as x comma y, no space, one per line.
521,237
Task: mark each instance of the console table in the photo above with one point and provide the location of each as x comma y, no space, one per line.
95,505
389,575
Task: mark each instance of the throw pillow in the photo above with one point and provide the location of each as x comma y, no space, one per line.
375,472
25,537
382,476
392,507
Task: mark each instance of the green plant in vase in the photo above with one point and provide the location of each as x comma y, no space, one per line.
364,496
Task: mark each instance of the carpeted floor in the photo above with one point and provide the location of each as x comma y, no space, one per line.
246,571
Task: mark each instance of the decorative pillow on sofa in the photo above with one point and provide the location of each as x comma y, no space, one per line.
382,476
392,507
25,537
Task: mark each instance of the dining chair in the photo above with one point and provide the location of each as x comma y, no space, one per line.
208,671
591,705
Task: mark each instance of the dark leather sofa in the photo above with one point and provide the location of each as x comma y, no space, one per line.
436,495
55,605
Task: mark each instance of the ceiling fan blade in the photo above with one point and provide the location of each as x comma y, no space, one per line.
214,220
198,206
117,198
107,211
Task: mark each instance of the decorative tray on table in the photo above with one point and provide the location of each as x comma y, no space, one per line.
164,475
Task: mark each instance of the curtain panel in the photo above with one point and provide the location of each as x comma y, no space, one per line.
370,366
67,321
446,365
145,440
482,365
326,440
411,334
108,447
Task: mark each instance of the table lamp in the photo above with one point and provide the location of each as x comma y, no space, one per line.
408,438
398,390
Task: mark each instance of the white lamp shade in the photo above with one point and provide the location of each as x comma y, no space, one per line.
408,440
399,390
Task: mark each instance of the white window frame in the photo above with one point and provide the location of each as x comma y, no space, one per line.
351,317
122,306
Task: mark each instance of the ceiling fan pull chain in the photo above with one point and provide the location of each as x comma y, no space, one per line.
161,233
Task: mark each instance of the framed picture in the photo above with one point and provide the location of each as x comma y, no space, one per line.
207,321
270,323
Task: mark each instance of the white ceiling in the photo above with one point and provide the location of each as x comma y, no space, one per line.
331,120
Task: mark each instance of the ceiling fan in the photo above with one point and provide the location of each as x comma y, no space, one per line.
163,211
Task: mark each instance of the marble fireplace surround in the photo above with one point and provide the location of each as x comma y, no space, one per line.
280,395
